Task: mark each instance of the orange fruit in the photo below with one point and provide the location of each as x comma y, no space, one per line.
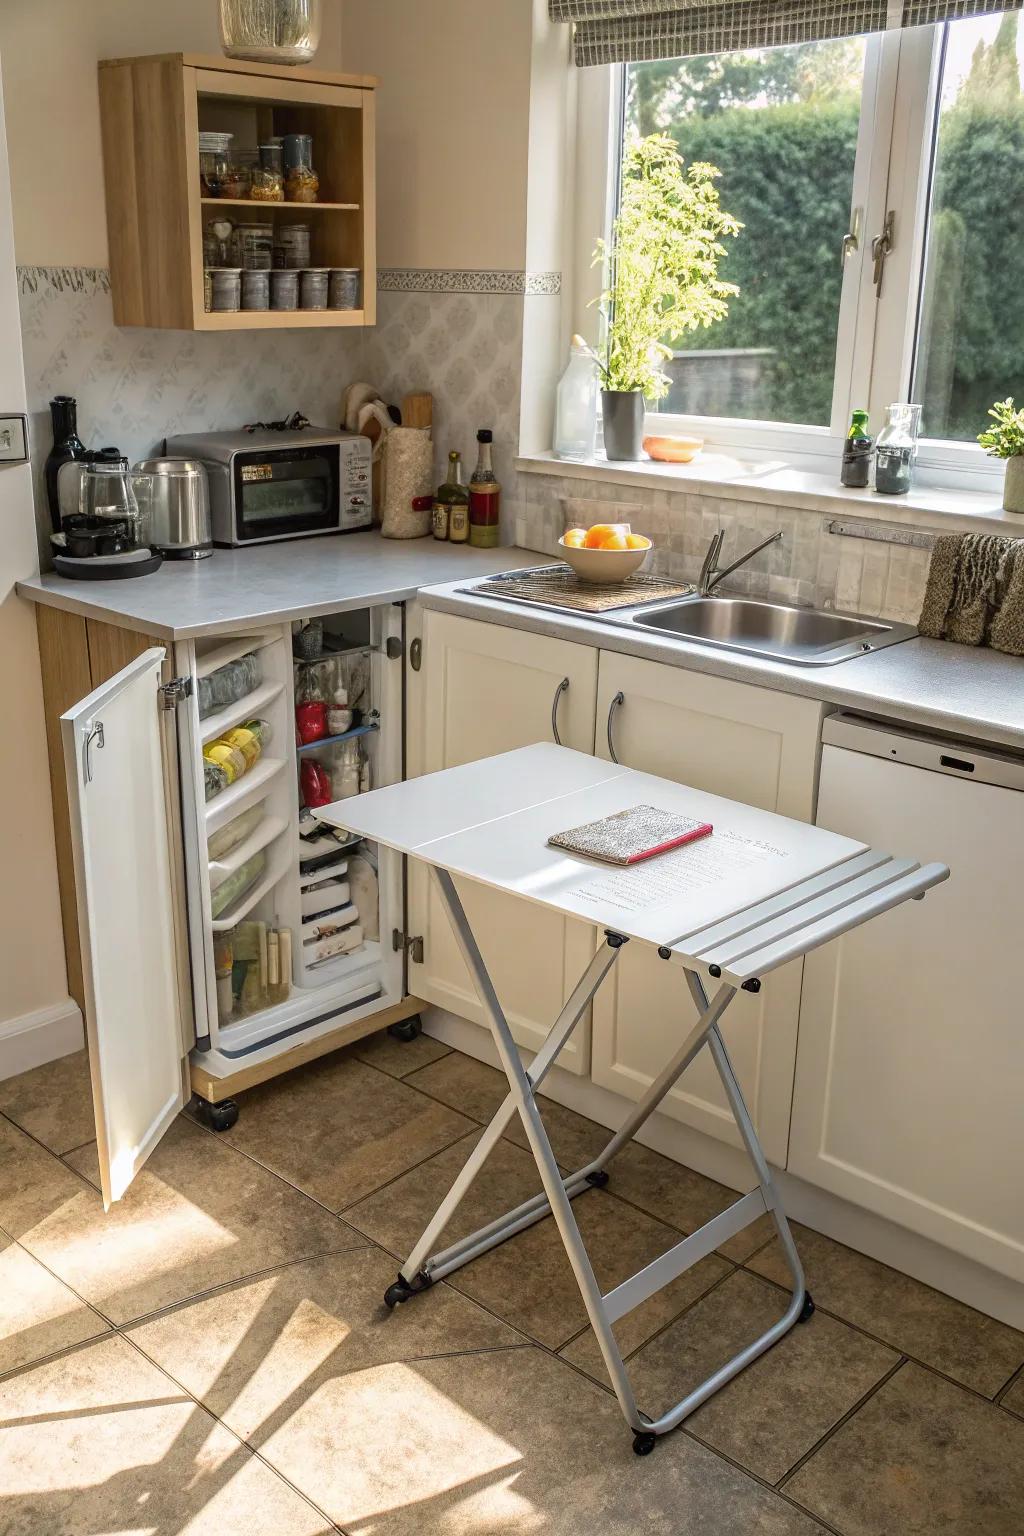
574,538
614,540
637,541
600,531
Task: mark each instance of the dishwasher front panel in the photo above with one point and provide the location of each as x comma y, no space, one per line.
910,1060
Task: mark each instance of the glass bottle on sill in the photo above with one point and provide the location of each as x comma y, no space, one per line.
896,450
484,497
857,453
576,406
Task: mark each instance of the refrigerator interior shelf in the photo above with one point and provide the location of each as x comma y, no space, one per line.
241,794
347,963
269,828
277,868
330,741
231,650
328,872
245,709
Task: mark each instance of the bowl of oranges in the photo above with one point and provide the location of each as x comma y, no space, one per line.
607,552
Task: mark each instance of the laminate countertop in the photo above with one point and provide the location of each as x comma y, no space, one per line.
976,694
275,583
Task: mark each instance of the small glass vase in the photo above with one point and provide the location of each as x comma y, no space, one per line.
270,31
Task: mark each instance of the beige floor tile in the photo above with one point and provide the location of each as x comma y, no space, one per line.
663,1188
198,1215
53,1102
38,1315
921,1457
100,1443
255,1353
338,1129
775,1410
34,1183
914,1319
1014,1399
528,1280
509,1441
398,1057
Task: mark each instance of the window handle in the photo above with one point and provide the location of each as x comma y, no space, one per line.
562,687
851,240
881,245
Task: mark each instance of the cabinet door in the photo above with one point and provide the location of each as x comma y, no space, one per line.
117,805
751,745
487,689
907,1095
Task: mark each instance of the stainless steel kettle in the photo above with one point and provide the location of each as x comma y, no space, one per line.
176,495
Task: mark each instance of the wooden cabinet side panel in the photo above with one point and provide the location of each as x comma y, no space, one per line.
64,662
147,179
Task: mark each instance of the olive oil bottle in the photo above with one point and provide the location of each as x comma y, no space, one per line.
451,504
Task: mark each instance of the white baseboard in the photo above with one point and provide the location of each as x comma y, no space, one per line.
31,1039
997,1295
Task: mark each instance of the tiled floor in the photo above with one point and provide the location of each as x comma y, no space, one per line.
213,1357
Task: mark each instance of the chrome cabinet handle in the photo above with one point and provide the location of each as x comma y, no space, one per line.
562,687
620,698
95,734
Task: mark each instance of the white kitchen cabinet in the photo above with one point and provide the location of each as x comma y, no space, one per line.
749,744
483,689
907,1098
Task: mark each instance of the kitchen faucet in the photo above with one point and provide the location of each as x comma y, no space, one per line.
710,575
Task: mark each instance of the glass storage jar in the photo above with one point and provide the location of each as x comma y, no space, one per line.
268,179
214,163
271,31
896,450
253,247
292,246
301,183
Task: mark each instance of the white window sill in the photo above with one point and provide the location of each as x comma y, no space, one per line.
773,481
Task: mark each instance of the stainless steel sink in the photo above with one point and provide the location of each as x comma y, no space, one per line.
808,637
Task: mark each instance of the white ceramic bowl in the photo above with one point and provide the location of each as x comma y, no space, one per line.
603,566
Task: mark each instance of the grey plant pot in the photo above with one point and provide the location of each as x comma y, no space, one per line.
622,411
1013,485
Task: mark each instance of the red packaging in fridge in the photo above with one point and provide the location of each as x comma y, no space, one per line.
315,783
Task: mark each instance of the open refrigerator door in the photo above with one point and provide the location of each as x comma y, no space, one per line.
286,915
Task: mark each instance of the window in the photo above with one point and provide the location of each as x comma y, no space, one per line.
822,147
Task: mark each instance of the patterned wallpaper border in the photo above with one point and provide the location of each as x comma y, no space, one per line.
389,280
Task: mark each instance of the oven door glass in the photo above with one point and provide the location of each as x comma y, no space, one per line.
281,492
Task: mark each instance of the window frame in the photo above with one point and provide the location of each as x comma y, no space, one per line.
876,336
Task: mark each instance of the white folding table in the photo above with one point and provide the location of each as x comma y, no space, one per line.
761,890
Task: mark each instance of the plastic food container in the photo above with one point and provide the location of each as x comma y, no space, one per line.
284,290
229,684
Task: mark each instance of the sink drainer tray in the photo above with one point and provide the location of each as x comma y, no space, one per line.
558,586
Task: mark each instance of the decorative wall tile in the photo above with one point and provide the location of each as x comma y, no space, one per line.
454,280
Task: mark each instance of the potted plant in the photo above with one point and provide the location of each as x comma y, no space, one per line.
662,266
1005,440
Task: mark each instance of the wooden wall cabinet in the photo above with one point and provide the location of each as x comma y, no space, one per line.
152,111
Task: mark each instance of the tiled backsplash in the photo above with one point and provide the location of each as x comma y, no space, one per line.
810,564
135,386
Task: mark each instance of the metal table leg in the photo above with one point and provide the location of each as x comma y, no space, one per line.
603,1309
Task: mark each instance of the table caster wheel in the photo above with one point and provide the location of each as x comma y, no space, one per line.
407,1029
402,1289
643,1443
598,1179
807,1310
219,1117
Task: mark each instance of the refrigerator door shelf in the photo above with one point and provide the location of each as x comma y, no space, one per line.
241,794
254,705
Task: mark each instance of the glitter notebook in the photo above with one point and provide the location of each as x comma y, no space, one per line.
632,835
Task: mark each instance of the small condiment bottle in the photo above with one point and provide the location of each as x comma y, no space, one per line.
339,716
857,453
484,497
450,495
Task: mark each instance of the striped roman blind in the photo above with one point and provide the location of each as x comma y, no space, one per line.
613,31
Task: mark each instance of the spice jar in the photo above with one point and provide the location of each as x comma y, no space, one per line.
313,288
255,289
284,289
291,247
227,288
344,288
301,183
268,180
214,162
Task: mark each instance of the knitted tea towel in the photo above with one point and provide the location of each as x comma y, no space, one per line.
969,578
1007,633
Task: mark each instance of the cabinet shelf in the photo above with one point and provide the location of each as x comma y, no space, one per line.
152,111
332,741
